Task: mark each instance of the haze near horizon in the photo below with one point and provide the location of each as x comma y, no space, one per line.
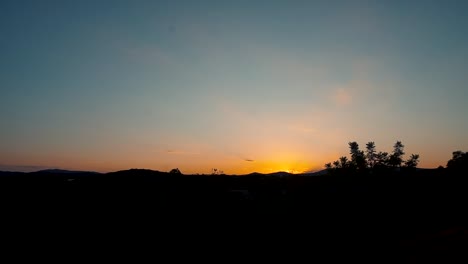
242,86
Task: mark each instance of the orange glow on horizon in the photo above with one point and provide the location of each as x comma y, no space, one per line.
264,157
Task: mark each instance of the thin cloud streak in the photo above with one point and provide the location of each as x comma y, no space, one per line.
180,152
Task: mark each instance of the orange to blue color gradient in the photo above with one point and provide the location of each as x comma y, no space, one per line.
240,86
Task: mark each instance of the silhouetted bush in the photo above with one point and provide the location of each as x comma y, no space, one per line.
459,161
175,171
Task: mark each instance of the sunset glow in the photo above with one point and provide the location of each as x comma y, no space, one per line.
238,86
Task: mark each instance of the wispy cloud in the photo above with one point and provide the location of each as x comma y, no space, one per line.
181,152
302,128
342,96
361,85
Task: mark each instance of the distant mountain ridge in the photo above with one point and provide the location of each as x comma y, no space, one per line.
148,171
60,171
314,173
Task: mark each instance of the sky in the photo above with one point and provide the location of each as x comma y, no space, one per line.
240,86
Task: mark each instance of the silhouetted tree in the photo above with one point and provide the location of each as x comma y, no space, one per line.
459,161
330,168
343,162
381,160
175,171
396,158
358,159
412,162
339,165
371,154
336,164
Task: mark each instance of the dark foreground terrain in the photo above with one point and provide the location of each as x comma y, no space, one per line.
411,218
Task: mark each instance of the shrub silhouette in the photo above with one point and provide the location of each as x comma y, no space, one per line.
175,171
215,171
459,161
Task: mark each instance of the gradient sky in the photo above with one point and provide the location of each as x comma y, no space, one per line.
241,86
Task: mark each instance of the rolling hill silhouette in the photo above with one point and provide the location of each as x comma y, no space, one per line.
407,214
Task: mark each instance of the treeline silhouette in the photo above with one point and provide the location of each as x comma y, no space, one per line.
371,161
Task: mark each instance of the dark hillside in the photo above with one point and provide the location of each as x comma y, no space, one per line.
409,212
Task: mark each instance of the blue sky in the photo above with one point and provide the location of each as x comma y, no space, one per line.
107,85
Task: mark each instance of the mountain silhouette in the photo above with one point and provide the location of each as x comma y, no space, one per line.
60,171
